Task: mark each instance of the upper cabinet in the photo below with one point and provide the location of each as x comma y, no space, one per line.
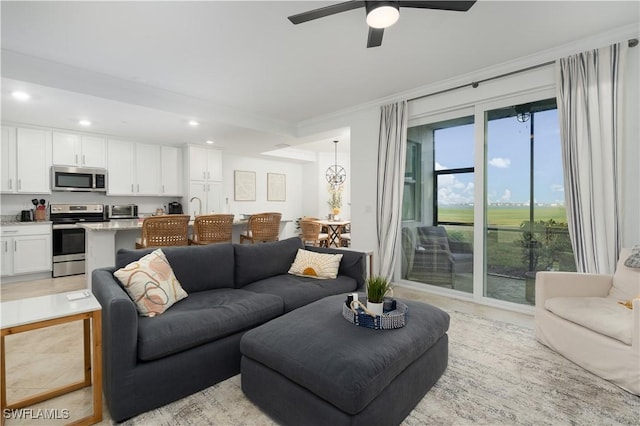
26,161
171,170
143,169
79,150
205,164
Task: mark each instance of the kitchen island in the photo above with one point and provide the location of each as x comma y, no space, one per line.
104,239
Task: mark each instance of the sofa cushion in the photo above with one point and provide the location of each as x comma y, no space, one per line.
197,268
604,315
151,284
255,262
626,280
315,265
298,291
633,261
203,317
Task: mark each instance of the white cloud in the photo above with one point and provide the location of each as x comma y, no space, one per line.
506,197
454,191
439,166
501,163
557,188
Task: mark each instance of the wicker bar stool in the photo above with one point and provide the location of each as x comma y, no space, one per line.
311,233
162,231
262,227
212,228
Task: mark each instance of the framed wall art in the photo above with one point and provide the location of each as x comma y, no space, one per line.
276,187
244,185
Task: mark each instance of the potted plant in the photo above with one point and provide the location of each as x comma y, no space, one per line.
335,200
377,289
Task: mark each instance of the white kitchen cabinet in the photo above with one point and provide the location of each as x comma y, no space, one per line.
70,149
205,164
120,165
147,169
204,169
143,169
171,171
26,161
8,166
209,193
25,249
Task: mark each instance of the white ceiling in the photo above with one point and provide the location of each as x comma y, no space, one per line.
141,70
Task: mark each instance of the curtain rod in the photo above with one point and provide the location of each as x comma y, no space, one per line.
632,43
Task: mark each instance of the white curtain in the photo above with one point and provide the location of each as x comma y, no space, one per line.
589,95
392,148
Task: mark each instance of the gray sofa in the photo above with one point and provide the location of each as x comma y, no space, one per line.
149,362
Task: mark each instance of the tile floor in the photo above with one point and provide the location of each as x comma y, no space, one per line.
43,359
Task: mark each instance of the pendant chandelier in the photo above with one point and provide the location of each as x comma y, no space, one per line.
335,174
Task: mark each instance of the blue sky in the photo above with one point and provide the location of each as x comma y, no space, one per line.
507,161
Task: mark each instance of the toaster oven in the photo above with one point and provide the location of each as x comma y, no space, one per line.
123,211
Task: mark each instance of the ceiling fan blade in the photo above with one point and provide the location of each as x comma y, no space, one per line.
325,11
375,37
458,6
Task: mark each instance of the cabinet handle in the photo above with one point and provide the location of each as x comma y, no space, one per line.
15,246
138,187
76,158
19,184
162,188
10,183
83,160
204,175
208,175
6,246
131,188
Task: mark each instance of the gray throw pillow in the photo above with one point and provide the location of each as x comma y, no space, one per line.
633,261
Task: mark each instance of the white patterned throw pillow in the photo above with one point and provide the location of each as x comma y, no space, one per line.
151,283
316,265
633,261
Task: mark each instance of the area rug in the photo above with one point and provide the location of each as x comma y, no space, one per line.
498,374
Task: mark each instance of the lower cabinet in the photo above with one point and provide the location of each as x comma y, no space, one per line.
25,249
209,194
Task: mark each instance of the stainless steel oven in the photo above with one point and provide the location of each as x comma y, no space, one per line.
68,238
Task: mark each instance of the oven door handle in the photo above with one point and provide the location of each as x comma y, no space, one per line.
69,226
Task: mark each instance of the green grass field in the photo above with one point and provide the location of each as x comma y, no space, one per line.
503,216
504,254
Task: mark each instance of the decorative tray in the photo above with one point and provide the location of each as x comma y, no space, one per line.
356,313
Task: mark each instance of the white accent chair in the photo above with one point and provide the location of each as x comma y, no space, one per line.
578,316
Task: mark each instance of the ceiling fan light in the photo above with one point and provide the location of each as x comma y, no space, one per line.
382,16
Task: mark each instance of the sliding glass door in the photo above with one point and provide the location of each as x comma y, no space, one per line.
485,197
525,217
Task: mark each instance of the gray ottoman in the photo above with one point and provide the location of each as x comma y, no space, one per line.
311,366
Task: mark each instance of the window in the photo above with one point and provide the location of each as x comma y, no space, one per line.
445,197
525,225
526,222
412,197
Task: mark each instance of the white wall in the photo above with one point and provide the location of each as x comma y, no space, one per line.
364,125
291,209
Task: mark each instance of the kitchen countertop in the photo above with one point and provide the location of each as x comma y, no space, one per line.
15,222
128,224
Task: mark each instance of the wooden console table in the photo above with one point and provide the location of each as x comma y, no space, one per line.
33,313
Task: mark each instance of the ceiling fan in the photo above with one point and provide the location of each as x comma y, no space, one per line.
380,14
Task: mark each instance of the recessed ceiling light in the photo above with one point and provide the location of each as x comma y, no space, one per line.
193,123
84,123
21,96
210,142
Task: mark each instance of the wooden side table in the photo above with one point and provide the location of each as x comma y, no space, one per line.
38,312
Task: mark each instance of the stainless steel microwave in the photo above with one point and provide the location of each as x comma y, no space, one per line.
81,179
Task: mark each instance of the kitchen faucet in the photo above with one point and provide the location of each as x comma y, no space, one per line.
199,204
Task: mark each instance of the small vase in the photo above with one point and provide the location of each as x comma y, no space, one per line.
376,308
